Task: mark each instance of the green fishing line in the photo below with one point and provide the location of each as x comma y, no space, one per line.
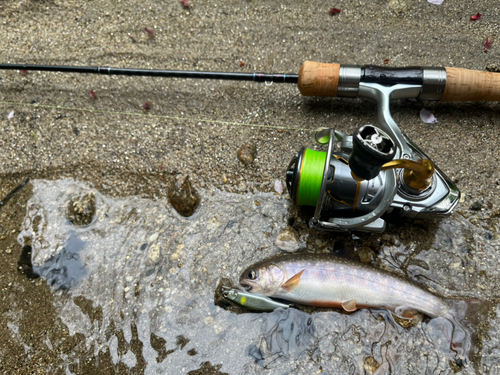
311,174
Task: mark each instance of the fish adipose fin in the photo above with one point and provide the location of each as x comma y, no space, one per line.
350,305
405,312
292,282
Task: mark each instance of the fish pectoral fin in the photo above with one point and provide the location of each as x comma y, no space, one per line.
405,312
350,305
292,282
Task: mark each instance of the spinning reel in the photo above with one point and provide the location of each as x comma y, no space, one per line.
377,171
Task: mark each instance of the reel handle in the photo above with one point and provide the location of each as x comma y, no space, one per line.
444,84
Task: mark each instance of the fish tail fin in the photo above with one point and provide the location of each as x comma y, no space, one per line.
473,316
460,334
459,325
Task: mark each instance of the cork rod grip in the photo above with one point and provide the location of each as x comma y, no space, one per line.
473,85
318,79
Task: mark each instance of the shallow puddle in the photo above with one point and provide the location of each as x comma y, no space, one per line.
140,271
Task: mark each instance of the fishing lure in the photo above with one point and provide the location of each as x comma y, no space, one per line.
252,301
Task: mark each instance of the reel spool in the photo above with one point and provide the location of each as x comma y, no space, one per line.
353,187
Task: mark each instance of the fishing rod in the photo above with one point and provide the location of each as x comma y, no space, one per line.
374,171
320,79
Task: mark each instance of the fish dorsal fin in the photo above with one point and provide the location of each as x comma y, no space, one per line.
292,282
350,305
405,312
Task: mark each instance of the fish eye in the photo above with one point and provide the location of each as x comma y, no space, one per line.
252,275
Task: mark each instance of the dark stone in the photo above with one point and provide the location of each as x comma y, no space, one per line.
247,153
185,200
81,209
476,206
24,263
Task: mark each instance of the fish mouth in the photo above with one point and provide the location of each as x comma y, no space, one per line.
248,287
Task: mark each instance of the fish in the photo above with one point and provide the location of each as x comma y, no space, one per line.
325,280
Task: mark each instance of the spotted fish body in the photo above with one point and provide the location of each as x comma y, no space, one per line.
328,281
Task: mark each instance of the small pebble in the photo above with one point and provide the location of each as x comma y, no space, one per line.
154,237
366,255
406,323
371,365
8,251
247,153
476,206
184,200
154,253
81,209
288,240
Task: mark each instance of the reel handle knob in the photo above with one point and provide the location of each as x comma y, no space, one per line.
372,148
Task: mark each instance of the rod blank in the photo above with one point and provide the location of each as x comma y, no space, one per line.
254,77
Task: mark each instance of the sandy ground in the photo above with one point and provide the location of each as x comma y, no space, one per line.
194,127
